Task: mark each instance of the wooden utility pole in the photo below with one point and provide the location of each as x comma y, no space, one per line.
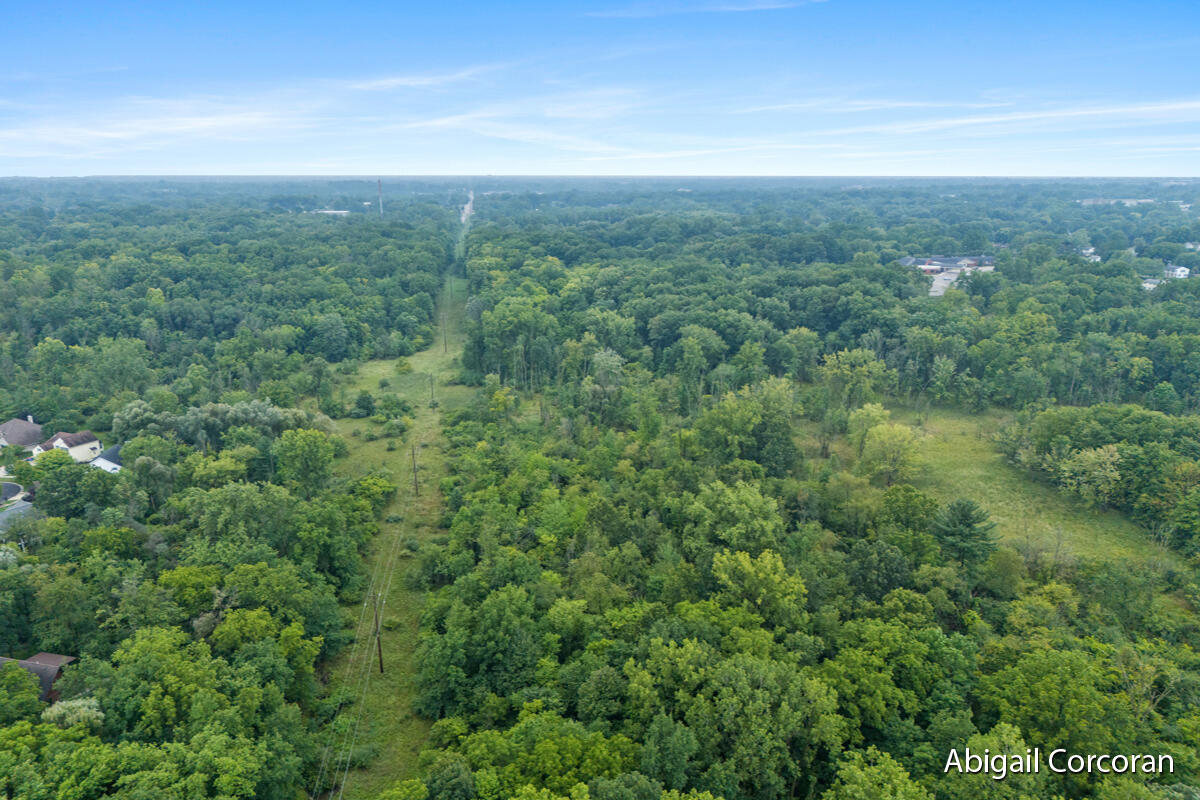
431,390
444,345
378,639
416,490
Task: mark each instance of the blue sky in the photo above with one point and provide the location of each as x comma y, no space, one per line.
678,87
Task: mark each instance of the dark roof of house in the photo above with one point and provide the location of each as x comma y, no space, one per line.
69,439
21,432
51,659
46,666
112,454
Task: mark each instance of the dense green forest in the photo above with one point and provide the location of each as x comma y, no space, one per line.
688,545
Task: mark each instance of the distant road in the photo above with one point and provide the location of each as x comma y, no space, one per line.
18,509
468,209
943,281
460,246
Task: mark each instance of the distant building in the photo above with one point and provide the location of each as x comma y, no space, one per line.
945,270
82,447
1150,284
1112,201
20,432
47,667
109,460
1176,272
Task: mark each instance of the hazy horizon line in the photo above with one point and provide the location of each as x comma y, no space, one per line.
585,175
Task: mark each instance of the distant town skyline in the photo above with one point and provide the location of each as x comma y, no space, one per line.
628,87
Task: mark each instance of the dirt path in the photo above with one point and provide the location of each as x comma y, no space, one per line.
460,246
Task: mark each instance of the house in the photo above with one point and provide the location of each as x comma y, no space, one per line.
1177,272
20,432
1150,284
935,265
47,667
109,460
82,447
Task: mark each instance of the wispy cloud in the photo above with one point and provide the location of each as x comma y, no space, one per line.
141,123
666,9
593,104
494,125
25,76
1136,114
424,80
844,106
649,155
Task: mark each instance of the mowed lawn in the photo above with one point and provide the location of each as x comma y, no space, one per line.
959,459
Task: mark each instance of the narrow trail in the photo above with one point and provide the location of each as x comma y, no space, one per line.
379,727
460,246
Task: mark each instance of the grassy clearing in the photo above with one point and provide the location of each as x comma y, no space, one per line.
388,728
959,459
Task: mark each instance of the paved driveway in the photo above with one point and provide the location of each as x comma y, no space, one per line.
10,514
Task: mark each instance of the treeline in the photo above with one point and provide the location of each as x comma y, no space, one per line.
1141,461
683,553
635,611
1047,324
682,557
202,586
99,304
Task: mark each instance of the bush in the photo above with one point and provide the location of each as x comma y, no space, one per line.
331,408
396,427
364,405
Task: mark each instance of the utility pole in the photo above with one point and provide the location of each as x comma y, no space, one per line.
431,390
416,489
378,640
444,345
